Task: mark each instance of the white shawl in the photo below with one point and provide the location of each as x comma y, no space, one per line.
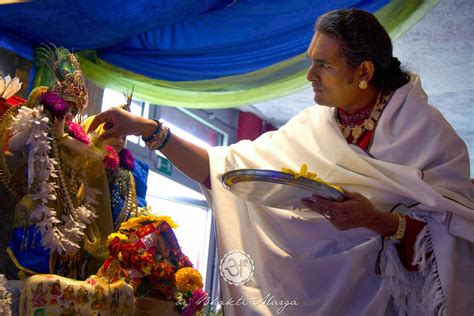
416,159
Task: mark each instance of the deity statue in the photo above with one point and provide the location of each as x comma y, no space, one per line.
56,175
126,175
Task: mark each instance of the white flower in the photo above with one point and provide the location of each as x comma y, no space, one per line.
85,215
22,120
91,196
3,280
37,214
9,87
57,236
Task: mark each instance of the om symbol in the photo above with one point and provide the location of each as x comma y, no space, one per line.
236,267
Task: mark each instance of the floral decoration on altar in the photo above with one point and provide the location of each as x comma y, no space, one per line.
5,298
146,254
9,87
45,178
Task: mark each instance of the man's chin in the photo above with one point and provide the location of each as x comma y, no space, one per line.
318,99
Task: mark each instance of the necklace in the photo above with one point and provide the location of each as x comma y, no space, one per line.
368,124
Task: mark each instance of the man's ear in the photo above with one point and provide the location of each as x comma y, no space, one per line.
366,70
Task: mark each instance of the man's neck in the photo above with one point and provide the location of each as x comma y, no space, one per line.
364,99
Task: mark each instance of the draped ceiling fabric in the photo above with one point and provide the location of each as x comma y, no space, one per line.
202,54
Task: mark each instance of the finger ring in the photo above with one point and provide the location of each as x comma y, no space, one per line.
327,214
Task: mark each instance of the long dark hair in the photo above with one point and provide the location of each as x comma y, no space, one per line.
364,38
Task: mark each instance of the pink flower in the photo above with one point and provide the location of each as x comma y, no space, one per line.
76,131
126,159
111,160
196,302
54,103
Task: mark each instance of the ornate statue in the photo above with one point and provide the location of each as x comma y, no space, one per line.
126,176
63,212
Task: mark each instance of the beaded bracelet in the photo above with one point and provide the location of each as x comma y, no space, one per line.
400,233
159,138
168,135
156,131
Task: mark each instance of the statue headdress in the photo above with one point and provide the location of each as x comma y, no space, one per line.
68,80
128,97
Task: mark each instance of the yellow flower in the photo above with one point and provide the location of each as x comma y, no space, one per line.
136,222
169,220
188,279
304,173
132,223
121,236
147,270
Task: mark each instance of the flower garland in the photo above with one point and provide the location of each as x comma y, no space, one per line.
111,159
76,131
54,103
135,257
5,298
126,159
45,179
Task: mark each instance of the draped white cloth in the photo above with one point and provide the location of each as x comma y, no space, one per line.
415,159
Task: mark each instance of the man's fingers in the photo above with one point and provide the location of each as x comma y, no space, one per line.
109,133
320,201
350,195
98,119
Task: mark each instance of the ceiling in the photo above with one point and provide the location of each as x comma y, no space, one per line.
440,49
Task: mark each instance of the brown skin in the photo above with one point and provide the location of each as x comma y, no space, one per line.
335,84
189,158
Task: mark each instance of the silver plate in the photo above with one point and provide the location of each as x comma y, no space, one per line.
276,189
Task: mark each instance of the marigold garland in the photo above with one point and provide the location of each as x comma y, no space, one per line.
134,247
188,279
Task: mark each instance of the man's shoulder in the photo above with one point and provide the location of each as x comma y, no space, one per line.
416,106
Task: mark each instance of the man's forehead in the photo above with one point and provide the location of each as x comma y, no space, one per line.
323,46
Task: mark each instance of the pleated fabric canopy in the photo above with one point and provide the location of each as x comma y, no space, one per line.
200,54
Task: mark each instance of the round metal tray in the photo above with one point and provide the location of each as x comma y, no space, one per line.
276,189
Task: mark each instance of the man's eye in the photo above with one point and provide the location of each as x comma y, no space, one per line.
322,65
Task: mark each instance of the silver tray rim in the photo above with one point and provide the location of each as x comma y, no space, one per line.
273,176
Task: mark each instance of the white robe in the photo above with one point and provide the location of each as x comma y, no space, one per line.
415,158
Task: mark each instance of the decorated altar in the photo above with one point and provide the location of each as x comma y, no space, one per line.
79,239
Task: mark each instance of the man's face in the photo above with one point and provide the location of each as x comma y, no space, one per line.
333,81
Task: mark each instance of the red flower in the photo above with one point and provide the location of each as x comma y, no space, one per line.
76,131
111,159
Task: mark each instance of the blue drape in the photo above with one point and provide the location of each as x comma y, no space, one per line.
238,39
93,24
173,40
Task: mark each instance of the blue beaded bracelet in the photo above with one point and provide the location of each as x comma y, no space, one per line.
157,131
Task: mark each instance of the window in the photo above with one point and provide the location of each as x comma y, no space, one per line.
169,191
189,210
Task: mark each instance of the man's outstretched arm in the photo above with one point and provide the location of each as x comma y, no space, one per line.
191,159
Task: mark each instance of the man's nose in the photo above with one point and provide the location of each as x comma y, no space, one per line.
312,74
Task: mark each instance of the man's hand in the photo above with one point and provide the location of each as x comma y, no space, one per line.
355,211
118,122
